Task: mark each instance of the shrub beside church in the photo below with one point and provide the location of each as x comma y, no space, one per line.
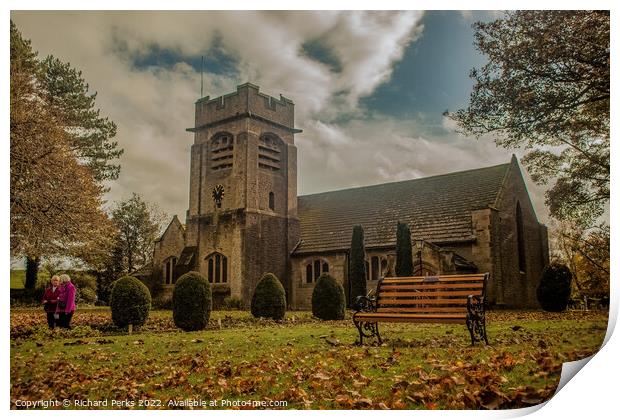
130,302
269,299
191,302
554,290
328,300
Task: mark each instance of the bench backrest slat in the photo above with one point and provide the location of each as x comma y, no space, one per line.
437,294
423,309
388,301
442,286
429,293
441,279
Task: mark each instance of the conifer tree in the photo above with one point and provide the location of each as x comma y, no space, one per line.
357,264
404,258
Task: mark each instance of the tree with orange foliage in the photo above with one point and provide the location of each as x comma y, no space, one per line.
55,201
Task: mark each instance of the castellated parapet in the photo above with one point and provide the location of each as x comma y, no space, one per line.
246,102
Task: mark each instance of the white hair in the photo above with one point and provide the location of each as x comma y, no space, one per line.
64,278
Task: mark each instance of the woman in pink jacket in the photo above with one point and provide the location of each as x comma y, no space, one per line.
66,301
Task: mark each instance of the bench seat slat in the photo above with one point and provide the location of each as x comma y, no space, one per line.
439,318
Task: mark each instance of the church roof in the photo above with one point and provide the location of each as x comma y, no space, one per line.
437,209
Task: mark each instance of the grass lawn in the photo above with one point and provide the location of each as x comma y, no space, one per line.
305,362
18,278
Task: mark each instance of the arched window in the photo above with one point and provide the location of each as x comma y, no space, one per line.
272,201
269,151
314,269
520,238
221,151
169,270
376,267
217,268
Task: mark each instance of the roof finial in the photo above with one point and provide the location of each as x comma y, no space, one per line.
514,159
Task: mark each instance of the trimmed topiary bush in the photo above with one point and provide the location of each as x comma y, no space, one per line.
191,302
328,299
130,302
554,289
269,299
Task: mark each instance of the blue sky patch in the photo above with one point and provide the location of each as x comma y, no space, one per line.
318,51
216,59
433,75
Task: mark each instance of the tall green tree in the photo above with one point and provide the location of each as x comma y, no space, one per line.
404,256
69,95
546,88
357,264
139,225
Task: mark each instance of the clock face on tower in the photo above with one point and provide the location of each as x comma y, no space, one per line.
218,194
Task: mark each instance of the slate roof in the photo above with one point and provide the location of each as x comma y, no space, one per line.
437,209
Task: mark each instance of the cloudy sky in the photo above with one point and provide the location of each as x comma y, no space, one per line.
369,89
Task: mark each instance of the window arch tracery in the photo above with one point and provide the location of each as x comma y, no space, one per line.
314,268
217,268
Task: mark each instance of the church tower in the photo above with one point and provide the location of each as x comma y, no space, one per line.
242,217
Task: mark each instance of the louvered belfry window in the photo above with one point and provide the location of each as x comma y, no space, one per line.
269,152
221,150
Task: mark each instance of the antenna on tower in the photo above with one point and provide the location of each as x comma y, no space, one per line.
202,64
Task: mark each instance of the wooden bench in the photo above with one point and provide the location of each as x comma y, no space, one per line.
457,298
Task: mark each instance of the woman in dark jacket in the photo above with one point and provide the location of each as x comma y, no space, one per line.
50,301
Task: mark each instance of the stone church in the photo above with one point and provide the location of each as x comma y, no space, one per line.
245,217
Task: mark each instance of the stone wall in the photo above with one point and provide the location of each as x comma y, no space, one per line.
265,249
518,287
302,291
171,244
247,99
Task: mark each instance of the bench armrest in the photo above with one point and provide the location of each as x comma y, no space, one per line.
475,305
365,304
